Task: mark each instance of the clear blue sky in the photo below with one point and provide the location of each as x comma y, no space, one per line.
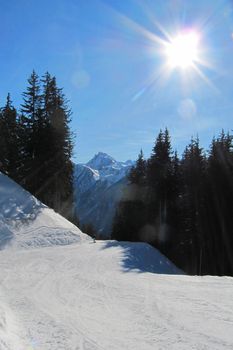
104,56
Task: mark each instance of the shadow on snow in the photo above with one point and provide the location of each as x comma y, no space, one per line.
141,257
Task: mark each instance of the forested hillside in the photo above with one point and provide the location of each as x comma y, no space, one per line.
183,206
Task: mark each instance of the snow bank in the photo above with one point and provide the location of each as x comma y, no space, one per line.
26,222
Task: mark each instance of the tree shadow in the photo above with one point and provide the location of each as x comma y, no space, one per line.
142,257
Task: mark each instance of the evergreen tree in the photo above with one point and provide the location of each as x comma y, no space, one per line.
89,230
32,99
174,246
9,142
58,192
128,222
159,177
46,140
137,174
131,212
185,207
219,206
193,168
29,122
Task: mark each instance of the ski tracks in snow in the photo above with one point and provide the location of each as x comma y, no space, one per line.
79,297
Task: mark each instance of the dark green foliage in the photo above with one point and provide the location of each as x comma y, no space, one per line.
131,213
137,174
183,207
32,100
193,168
89,230
9,140
56,187
159,175
36,146
129,220
219,205
30,124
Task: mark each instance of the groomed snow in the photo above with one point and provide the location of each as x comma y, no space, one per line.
100,296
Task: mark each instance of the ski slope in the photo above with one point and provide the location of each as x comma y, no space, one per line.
72,294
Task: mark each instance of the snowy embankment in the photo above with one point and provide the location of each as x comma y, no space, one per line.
26,222
107,295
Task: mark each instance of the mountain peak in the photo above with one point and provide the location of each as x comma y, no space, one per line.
100,161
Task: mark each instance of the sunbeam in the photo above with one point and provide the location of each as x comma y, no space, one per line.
182,50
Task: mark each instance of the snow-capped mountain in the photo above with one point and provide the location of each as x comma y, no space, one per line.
99,185
108,168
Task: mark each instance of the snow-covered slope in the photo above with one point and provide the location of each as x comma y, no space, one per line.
99,185
105,296
98,296
26,222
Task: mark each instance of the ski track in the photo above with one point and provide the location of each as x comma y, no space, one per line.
79,297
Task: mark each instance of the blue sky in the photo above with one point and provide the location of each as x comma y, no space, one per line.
104,56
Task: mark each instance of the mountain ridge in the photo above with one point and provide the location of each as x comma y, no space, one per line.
98,186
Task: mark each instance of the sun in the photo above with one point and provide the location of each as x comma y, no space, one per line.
183,50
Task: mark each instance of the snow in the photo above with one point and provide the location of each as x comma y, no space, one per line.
108,168
26,222
99,296
85,178
101,160
98,187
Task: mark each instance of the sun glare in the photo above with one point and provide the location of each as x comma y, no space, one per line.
182,51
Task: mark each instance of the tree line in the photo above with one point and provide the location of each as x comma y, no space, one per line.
36,143
182,206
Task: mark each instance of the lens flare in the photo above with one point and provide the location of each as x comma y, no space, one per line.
182,51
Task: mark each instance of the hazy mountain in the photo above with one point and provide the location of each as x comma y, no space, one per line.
99,185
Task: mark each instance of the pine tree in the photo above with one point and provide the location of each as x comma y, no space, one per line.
89,230
174,247
193,167
137,174
58,192
9,141
129,221
32,99
29,121
131,212
46,144
159,177
219,205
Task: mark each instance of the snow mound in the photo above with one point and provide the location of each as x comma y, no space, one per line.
26,222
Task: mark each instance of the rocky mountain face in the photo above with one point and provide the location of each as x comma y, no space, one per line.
98,187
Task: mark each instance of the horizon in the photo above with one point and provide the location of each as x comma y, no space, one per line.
107,57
